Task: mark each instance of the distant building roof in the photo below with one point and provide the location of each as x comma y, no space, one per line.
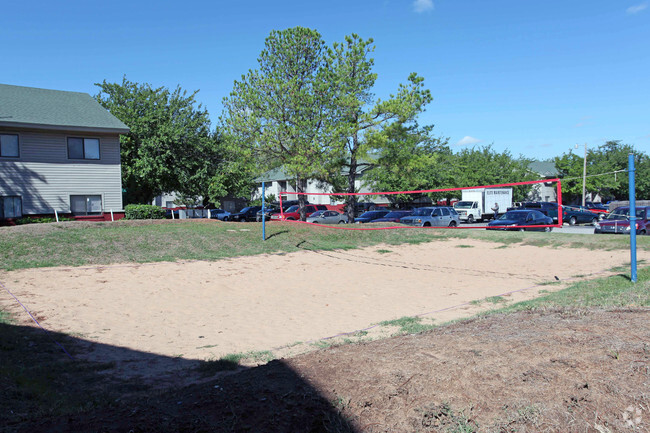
30,107
544,168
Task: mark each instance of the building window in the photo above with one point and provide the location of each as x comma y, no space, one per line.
86,204
83,148
11,207
9,146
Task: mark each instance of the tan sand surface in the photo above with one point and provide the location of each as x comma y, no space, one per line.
203,310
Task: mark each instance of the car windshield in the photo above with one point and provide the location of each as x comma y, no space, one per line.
463,205
624,213
619,214
373,214
293,208
246,209
423,211
317,213
514,215
397,214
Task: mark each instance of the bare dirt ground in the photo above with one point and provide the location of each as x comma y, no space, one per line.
571,370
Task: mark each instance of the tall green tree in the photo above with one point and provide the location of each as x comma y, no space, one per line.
168,147
606,172
282,111
235,173
409,158
358,112
485,166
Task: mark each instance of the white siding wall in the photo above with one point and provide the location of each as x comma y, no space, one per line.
45,178
313,186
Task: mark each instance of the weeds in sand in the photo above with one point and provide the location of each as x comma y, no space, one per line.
232,361
408,325
384,251
464,246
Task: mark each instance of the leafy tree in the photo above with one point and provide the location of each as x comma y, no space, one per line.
235,172
606,172
282,111
408,159
485,166
168,147
357,112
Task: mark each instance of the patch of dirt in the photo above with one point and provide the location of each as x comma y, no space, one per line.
568,370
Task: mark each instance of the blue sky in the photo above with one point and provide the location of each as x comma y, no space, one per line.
531,77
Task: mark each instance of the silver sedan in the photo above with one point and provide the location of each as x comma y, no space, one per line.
327,217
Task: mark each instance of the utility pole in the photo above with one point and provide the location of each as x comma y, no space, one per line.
584,176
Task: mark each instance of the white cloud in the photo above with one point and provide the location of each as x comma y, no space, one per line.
636,8
422,5
467,141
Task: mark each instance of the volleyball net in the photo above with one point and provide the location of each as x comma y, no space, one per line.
430,208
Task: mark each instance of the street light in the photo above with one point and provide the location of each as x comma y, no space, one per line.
584,175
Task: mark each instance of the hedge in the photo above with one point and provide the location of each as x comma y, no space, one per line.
143,212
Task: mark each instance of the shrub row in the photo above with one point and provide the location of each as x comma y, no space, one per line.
38,220
143,212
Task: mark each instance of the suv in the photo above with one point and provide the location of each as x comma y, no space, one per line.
442,216
293,213
546,207
246,214
618,221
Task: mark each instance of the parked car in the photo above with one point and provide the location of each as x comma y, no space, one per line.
327,217
361,207
293,212
246,214
598,208
516,219
371,215
393,216
268,211
442,216
545,207
578,215
618,221
219,214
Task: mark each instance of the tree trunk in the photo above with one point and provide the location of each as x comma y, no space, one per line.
352,199
301,186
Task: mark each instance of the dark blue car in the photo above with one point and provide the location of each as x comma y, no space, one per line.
393,216
372,215
515,219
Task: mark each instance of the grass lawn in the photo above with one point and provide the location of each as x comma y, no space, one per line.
74,244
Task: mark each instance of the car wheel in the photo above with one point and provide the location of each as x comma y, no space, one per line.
594,221
522,229
572,221
470,219
427,224
548,229
452,224
291,219
342,222
601,216
642,232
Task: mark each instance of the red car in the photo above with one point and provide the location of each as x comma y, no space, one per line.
619,221
293,213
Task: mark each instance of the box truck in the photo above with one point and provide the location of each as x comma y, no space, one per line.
476,204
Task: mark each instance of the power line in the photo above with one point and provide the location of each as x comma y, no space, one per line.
594,175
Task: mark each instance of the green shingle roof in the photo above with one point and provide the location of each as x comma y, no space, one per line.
54,109
544,168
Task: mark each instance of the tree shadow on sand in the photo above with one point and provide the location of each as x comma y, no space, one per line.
44,390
